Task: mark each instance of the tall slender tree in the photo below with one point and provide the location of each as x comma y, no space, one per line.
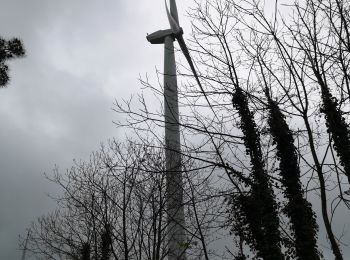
106,243
257,210
85,251
298,209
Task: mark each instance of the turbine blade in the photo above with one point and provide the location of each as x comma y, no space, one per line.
173,23
173,11
186,52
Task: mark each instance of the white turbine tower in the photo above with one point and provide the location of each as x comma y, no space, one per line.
177,242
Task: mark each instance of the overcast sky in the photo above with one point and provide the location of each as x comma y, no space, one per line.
81,55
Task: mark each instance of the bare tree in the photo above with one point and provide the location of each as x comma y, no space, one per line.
113,207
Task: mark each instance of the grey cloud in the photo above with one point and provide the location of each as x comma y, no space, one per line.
80,56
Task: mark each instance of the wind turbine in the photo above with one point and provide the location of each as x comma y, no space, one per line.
177,242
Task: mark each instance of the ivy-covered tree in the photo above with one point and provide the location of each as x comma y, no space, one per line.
9,49
255,213
298,209
337,127
85,251
106,244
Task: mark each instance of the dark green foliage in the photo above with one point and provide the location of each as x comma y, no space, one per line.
255,213
337,127
298,209
106,244
8,50
85,251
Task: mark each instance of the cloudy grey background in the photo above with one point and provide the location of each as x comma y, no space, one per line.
81,54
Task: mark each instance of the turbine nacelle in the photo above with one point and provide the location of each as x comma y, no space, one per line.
158,37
